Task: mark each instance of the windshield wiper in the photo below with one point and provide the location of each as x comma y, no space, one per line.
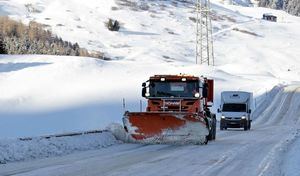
164,93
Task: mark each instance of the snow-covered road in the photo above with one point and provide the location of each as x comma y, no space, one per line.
268,149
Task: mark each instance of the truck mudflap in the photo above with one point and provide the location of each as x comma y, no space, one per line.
166,127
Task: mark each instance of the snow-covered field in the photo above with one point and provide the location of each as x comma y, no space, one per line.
43,95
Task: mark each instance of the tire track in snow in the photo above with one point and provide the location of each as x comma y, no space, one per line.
244,156
288,117
272,164
290,165
93,164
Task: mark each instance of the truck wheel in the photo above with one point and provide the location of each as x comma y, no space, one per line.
206,140
249,125
213,132
213,126
210,135
210,129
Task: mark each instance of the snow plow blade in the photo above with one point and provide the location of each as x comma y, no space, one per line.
165,127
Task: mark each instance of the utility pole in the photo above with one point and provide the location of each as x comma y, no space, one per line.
204,43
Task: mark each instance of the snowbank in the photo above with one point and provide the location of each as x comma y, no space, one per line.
19,150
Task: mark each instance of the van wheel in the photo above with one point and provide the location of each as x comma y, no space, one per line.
246,126
221,127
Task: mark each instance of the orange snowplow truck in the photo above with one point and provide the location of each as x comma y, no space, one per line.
177,111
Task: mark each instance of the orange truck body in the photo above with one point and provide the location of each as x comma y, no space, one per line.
177,111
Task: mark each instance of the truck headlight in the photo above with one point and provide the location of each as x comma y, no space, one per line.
243,117
222,117
197,95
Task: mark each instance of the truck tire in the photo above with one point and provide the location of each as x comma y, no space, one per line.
249,127
214,127
215,133
210,135
206,140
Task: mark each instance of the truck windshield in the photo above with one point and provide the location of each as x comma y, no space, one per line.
173,89
230,107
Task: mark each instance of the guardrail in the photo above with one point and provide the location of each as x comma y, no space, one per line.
63,135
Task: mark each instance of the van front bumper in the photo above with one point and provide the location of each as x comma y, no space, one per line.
228,123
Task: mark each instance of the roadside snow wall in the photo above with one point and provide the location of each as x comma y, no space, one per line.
12,150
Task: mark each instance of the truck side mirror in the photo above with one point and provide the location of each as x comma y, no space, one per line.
144,92
249,111
144,84
205,90
219,111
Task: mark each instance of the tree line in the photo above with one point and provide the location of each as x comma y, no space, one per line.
290,6
18,38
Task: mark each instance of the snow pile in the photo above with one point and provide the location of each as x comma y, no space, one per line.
118,131
190,133
19,150
265,100
277,112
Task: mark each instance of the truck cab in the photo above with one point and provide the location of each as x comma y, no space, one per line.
235,110
177,93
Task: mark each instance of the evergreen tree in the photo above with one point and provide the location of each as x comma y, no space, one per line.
2,46
17,38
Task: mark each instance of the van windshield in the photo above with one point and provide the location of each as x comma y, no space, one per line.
230,107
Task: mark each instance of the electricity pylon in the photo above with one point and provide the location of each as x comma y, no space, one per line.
204,46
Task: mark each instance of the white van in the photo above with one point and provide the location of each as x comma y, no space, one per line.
235,110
